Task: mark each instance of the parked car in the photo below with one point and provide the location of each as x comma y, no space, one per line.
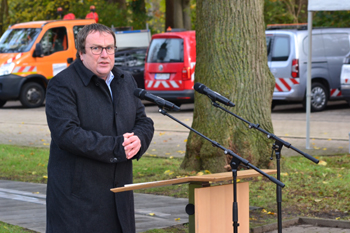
345,79
170,66
287,51
133,61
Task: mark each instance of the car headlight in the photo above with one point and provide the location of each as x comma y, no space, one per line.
6,68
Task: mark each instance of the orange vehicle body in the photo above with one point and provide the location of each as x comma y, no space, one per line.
32,53
170,66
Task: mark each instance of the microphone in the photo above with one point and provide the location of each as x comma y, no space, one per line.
201,88
144,95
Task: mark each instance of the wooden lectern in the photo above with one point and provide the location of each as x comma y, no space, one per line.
212,204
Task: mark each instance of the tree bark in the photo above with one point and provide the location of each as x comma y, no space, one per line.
231,60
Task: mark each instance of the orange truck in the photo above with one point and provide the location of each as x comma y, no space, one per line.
32,53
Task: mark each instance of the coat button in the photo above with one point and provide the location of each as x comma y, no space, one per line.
113,160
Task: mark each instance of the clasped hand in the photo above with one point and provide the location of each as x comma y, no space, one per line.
132,145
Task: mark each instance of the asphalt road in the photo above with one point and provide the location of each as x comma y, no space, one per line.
329,129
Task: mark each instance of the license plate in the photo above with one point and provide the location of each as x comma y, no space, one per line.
161,76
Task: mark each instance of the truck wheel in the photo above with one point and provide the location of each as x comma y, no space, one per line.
32,95
319,97
2,103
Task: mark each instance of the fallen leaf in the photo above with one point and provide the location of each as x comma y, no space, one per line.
324,149
185,140
318,200
322,163
151,214
177,219
171,157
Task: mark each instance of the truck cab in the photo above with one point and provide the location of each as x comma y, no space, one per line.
31,54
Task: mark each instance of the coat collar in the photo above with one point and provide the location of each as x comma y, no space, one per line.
86,75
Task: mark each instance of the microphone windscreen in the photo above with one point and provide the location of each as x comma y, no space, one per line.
199,87
140,93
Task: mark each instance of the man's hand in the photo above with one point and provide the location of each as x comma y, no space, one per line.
132,145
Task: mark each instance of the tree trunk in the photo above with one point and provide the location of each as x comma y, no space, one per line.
186,9
231,60
3,16
178,14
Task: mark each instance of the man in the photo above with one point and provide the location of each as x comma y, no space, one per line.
97,127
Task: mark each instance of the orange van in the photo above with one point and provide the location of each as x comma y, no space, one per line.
170,66
31,53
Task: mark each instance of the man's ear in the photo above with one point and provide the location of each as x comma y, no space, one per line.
81,56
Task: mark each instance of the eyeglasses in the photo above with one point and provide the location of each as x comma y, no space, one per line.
97,50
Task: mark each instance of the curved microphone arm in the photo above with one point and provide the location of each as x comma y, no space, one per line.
226,151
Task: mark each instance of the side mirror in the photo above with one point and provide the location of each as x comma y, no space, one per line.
70,60
38,52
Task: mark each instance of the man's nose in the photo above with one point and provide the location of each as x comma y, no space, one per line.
104,52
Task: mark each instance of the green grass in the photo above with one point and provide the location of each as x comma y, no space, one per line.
7,228
312,190
28,164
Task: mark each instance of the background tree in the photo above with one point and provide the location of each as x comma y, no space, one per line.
231,59
178,14
139,15
121,3
3,15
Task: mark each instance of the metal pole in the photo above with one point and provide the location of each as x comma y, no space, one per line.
308,83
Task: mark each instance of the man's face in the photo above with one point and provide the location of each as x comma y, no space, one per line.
100,64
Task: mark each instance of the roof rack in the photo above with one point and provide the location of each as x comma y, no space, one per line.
299,26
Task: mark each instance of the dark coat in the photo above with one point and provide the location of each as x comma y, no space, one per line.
87,158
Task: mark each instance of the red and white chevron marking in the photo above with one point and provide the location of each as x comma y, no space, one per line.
285,84
13,58
163,84
335,92
24,69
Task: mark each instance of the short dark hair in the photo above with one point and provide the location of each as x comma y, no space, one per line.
86,30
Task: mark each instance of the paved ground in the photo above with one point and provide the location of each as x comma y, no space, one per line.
24,204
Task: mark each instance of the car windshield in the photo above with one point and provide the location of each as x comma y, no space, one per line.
18,40
166,50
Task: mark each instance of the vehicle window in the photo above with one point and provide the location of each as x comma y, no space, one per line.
280,50
18,40
166,50
336,44
54,40
119,59
268,44
317,45
76,30
136,58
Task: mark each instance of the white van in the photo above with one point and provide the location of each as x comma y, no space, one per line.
287,59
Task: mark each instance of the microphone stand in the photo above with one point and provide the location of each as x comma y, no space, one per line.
235,162
277,147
